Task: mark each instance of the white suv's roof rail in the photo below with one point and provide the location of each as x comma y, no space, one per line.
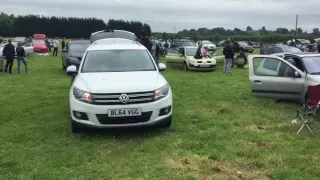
115,41
105,34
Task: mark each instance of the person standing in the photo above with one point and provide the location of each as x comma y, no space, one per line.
228,57
48,44
55,47
146,41
20,57
63,44
9,52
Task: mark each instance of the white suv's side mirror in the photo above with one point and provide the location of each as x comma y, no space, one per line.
162,67
296,74
71,70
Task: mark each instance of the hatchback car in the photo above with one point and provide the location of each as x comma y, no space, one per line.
39,46
184,57
118,85
273,77
73,52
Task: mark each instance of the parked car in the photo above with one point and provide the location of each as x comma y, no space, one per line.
279,48
39,46
269,78
117,85
184,57
241,45
39,37
207,45
309,48
73,53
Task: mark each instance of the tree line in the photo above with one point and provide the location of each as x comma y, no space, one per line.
220,33
68,27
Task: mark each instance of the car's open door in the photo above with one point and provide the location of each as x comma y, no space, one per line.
273,77
112,34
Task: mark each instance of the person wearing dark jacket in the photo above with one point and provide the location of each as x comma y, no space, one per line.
20,57
228,56
199,54
63,44
318,47
9,52
146,41
242,56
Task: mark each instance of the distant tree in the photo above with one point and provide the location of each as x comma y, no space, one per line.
252,33
164,36
316,32
249,28
299,30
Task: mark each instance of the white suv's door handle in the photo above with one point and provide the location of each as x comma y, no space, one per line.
257,81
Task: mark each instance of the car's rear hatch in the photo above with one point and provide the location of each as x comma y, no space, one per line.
104,34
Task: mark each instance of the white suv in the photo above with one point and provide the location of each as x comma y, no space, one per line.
118,84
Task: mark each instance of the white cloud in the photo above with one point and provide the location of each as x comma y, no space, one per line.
163,15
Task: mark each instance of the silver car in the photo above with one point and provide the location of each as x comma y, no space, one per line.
274,77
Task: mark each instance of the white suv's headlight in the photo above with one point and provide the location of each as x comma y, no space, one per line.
161,92
82,95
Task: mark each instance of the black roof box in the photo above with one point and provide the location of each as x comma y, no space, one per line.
104,34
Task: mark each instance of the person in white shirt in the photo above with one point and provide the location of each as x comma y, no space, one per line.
55,47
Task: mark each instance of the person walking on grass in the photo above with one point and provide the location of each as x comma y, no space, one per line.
9,52
55,47
20,57
228,57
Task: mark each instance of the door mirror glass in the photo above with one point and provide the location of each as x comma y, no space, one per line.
162,67
72,70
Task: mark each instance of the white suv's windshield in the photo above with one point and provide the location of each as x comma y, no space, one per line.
312,64
117,61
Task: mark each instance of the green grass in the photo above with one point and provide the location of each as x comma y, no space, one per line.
219,132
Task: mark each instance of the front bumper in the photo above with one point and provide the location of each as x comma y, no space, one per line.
97,116
40,50
200,67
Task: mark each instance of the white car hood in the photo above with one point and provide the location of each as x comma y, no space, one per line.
120,82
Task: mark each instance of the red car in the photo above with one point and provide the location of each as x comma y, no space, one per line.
39,37
39,46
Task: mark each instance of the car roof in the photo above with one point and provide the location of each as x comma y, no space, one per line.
304,54
114,45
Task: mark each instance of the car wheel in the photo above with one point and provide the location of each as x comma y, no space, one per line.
166,124
75,128
185,66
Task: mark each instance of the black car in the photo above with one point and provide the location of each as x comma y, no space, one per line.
243,46
279,48
73,52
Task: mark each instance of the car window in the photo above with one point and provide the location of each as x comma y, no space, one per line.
312,64
272,67
124,60
79,47
191,51
172,52
277,50
293,49
268,51
181,51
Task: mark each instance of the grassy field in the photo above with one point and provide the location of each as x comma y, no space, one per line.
219,132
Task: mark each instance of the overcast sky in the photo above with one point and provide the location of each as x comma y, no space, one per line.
163,15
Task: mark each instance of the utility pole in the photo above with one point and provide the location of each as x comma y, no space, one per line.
295,34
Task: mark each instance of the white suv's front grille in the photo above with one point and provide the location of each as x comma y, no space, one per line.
113,99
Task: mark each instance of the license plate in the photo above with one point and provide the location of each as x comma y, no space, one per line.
124,112
204,65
